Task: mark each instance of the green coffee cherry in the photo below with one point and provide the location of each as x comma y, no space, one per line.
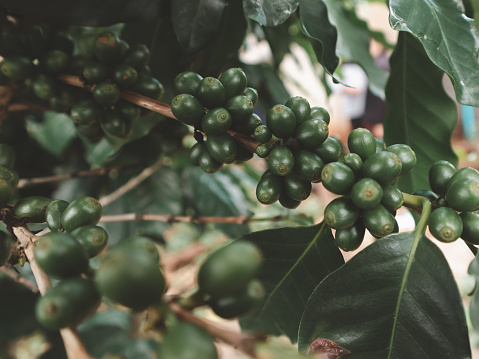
17,67
107,48
148,86
106,93
362,142
281,160
341,213
240,108
33,207
53,215
93,238
5,248
128,110
67,304
439,175
228,271
199,343
143,243
308,165
269,188
234,82
281,121
113,123
354,161
252,94
239,305
54,62
125,75
44,86
137,56
300,107
378,221
61,255
470,223
9,176
194,153
383,166
295,187
445,224
222,147
216,121
330,150
187,82
262,134
320,113
392,199
350,238
82,211
86,112
463,195
130,277
380,144
406,155
188,109
312,133
207,163
211,92
366,193
264,149
463,173
287,202
338,178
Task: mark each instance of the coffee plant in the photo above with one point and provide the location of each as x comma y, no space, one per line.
136,146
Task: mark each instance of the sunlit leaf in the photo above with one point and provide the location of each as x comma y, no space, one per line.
269,12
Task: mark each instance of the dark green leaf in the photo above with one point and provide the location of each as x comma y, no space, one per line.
353,44
264,76
54,132
451,40
395,299
86,12
160,193
296,260
315,24
474,306
216,195
269,12
420,113
196,22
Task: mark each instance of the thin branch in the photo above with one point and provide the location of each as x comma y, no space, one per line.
73,345
25,182
156,106
171,218
19,279
27,106
132,183
245,343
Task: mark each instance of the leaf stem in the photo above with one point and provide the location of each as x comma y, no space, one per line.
418,234
414,203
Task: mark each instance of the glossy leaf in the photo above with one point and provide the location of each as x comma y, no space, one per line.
216,195
196,22
451,40
353,43
86,12
420,113
54,133
394,299
315,24
269,12
474,305
296,260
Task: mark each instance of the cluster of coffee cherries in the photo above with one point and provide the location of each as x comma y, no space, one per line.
215,106
365,179
296,154
455,198
226,279
105,62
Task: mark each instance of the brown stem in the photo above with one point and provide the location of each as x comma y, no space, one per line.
73,345
245,343
19,279
25,182
27,106
132,183
156,106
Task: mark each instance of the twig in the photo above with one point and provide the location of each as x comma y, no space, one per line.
245,343
19,279
171,218
27,106
156,106
132,183
73,345
24,182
